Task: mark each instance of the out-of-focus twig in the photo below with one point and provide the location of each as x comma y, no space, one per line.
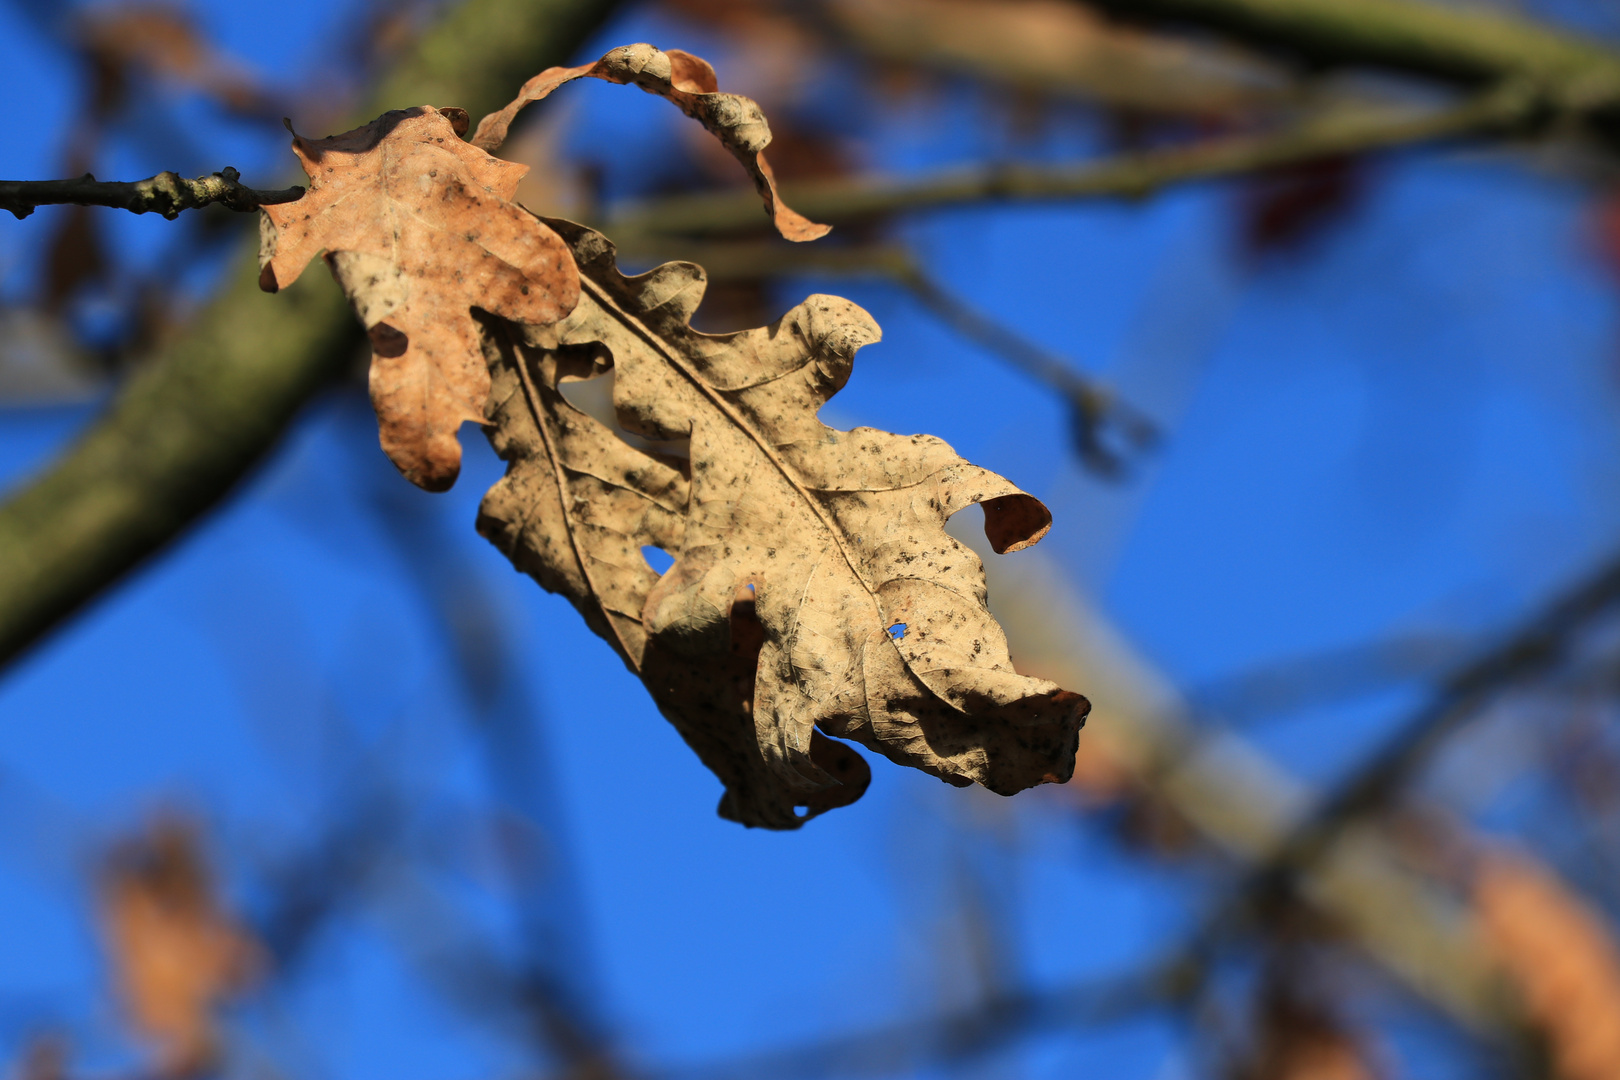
1525,654
1334,675
167,193
1504,110
1108,432
904,1048
543,976
1059,48
1301,857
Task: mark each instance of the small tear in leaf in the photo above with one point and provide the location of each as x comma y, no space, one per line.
660,560
897,631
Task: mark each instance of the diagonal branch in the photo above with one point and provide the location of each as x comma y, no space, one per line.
1296,861
1505,110
1245,806
167,193
1450,42
1527,654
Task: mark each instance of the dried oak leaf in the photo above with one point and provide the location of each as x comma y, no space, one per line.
419,226
690,84
814,590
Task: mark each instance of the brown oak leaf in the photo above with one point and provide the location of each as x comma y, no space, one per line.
418,227
814,591
814,594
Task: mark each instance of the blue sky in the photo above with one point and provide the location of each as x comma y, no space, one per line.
1408,428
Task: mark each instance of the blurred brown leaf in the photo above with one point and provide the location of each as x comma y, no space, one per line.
164,41
1561,954
176,955
1305,1053
1283,209
1298,1035
43,1058
779,47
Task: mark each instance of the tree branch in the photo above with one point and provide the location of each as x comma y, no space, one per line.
167,193
193,420
1505,110
1447,42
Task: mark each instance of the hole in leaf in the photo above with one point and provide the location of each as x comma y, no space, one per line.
657,558
897,631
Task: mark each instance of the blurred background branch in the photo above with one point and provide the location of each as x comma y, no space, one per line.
1350,131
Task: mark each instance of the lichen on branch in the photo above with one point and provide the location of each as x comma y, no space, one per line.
167,193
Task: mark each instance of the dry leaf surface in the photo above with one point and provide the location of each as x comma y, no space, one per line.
814,590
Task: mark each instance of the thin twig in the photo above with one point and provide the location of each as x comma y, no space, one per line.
1531,652
1109,433
167,193
1504,110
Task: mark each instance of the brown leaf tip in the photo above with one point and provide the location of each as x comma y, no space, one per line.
1015,522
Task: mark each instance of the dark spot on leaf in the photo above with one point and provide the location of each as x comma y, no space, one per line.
388,341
